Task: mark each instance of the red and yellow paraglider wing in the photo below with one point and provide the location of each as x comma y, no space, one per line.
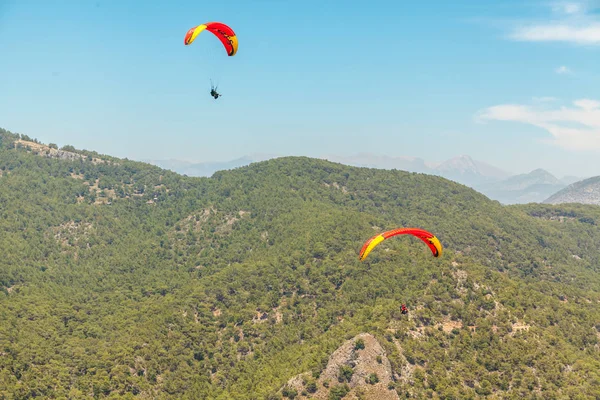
226,35
223,32
192,34
370,245
427,237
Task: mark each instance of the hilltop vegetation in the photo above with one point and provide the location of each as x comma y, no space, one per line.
122,280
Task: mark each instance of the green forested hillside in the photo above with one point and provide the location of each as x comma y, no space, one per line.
122,280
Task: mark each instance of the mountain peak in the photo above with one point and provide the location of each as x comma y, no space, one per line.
540,171
541,176
466,170
461,164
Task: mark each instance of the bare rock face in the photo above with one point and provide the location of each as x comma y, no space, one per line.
49,152
359,368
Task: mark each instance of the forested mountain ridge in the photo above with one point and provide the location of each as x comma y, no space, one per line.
122,280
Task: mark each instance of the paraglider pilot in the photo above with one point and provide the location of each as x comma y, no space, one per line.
404,309
214,93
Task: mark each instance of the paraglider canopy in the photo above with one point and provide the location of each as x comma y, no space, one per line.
228,39
429,238
225,34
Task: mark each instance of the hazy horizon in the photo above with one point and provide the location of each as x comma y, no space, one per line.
357,158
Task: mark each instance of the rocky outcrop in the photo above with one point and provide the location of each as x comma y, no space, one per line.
359,368
50,152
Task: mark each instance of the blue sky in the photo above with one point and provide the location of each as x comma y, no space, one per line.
512,83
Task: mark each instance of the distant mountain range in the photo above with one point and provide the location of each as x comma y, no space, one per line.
533,187
462,169
497,184
465,170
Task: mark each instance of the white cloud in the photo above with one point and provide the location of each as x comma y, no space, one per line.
572,23
562,70
574,128
559,32
587,104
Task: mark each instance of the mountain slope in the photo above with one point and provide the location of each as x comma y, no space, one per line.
583,192
568,180
126,280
